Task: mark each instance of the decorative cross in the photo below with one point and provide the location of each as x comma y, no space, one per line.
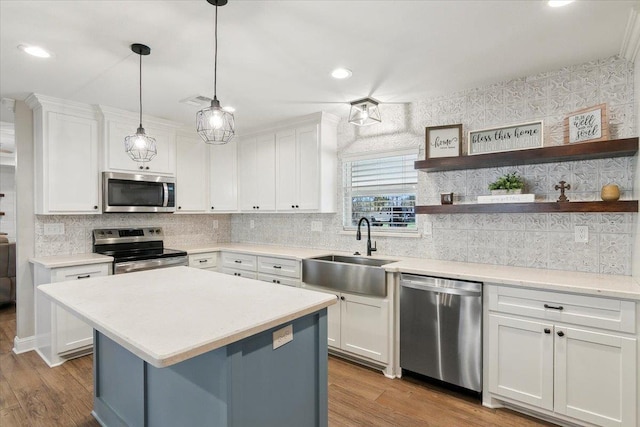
563,187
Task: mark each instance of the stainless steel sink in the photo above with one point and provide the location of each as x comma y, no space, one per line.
354,274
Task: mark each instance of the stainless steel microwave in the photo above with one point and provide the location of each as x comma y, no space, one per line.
124,192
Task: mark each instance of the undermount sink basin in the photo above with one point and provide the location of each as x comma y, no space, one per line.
354,274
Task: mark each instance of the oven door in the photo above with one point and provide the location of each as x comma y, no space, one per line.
149,264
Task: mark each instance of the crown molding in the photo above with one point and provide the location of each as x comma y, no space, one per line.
631,40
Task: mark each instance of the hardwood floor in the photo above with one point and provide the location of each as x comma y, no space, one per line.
32,394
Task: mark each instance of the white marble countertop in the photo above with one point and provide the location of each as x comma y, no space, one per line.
168,315
264,250
57,261
553,280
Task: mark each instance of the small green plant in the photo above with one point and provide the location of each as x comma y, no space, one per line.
510,181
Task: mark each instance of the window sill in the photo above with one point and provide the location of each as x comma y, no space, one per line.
406,235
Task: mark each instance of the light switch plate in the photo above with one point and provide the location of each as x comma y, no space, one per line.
282,336
54,229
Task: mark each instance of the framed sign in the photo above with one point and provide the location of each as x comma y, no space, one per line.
443,141
589,124
507,138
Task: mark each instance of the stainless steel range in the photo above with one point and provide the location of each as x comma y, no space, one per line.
136,249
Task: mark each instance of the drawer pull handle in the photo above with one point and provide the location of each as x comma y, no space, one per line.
547,330
560,333
238,261
86,276
204,260
553,307
277,266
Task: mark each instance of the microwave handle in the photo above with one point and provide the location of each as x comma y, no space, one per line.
165,199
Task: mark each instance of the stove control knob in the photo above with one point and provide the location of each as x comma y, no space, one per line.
158,230
152,231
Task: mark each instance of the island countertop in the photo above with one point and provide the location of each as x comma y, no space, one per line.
169,315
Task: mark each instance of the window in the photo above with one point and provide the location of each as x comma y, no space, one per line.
382,188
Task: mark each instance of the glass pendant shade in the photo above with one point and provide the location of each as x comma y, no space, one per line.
140,146
364,112
214,125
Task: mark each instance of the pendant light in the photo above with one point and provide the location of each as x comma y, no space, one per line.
215,125
140,146
364,112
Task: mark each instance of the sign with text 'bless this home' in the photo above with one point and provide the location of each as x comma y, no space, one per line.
508,138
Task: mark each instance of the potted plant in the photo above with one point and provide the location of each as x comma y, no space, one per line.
511,183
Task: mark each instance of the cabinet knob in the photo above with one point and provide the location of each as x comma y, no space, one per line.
179,207
257,207
95,207
547,330
560,333
292,206
141,167
147,168
297,206
211,207
342,298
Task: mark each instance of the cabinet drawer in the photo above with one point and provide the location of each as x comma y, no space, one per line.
279,266
240,273
605,313
279,280
204,260
80,272
239,261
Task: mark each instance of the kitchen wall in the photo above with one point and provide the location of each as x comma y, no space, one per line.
179,230
531,240
8,202
636,232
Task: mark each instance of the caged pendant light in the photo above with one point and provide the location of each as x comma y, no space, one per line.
215,125
140,146
364,112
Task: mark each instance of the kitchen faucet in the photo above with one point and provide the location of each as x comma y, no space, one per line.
359,236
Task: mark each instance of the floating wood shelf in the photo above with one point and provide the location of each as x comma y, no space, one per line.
1,194
558,153
1,213
535,207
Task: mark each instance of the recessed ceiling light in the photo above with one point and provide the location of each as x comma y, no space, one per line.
229,109
559,3
36,51
341,73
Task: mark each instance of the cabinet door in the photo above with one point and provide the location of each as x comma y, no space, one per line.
223,172
365,326
191,175
71,180
287,166
309,168
266,173
206,261
247,174
595,377
117,158
521,360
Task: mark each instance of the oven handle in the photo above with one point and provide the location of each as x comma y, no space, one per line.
149,264
165,199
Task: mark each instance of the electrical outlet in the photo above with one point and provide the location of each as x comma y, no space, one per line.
282,336
428,228
316,225
581,234
54,229
215,224
252,224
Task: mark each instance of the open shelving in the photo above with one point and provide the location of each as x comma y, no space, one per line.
534,207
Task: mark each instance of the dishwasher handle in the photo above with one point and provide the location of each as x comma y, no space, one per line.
439,289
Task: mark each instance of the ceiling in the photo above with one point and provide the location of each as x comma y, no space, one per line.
275,57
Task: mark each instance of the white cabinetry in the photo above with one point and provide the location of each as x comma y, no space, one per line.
282,271
59,334
571,356
359,325
66,144
205,261
241,265
118,124
291,168
257,173
223,177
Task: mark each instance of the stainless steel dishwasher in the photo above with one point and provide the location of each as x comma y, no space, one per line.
441,329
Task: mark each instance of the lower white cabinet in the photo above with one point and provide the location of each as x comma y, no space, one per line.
205,261
358,325
581,371
282,271
59,334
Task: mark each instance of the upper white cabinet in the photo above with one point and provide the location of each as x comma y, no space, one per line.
118,124
191,174
223,177
291,168
66,145
257,173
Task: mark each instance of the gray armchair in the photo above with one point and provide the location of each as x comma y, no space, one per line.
7,271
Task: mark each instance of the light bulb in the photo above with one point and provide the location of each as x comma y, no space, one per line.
216,120
140,143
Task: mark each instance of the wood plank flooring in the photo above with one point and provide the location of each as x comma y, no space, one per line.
32,394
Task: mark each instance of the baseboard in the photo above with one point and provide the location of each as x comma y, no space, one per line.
22,345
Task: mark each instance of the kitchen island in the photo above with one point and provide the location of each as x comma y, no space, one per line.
181,346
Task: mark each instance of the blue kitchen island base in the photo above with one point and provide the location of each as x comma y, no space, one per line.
246,383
